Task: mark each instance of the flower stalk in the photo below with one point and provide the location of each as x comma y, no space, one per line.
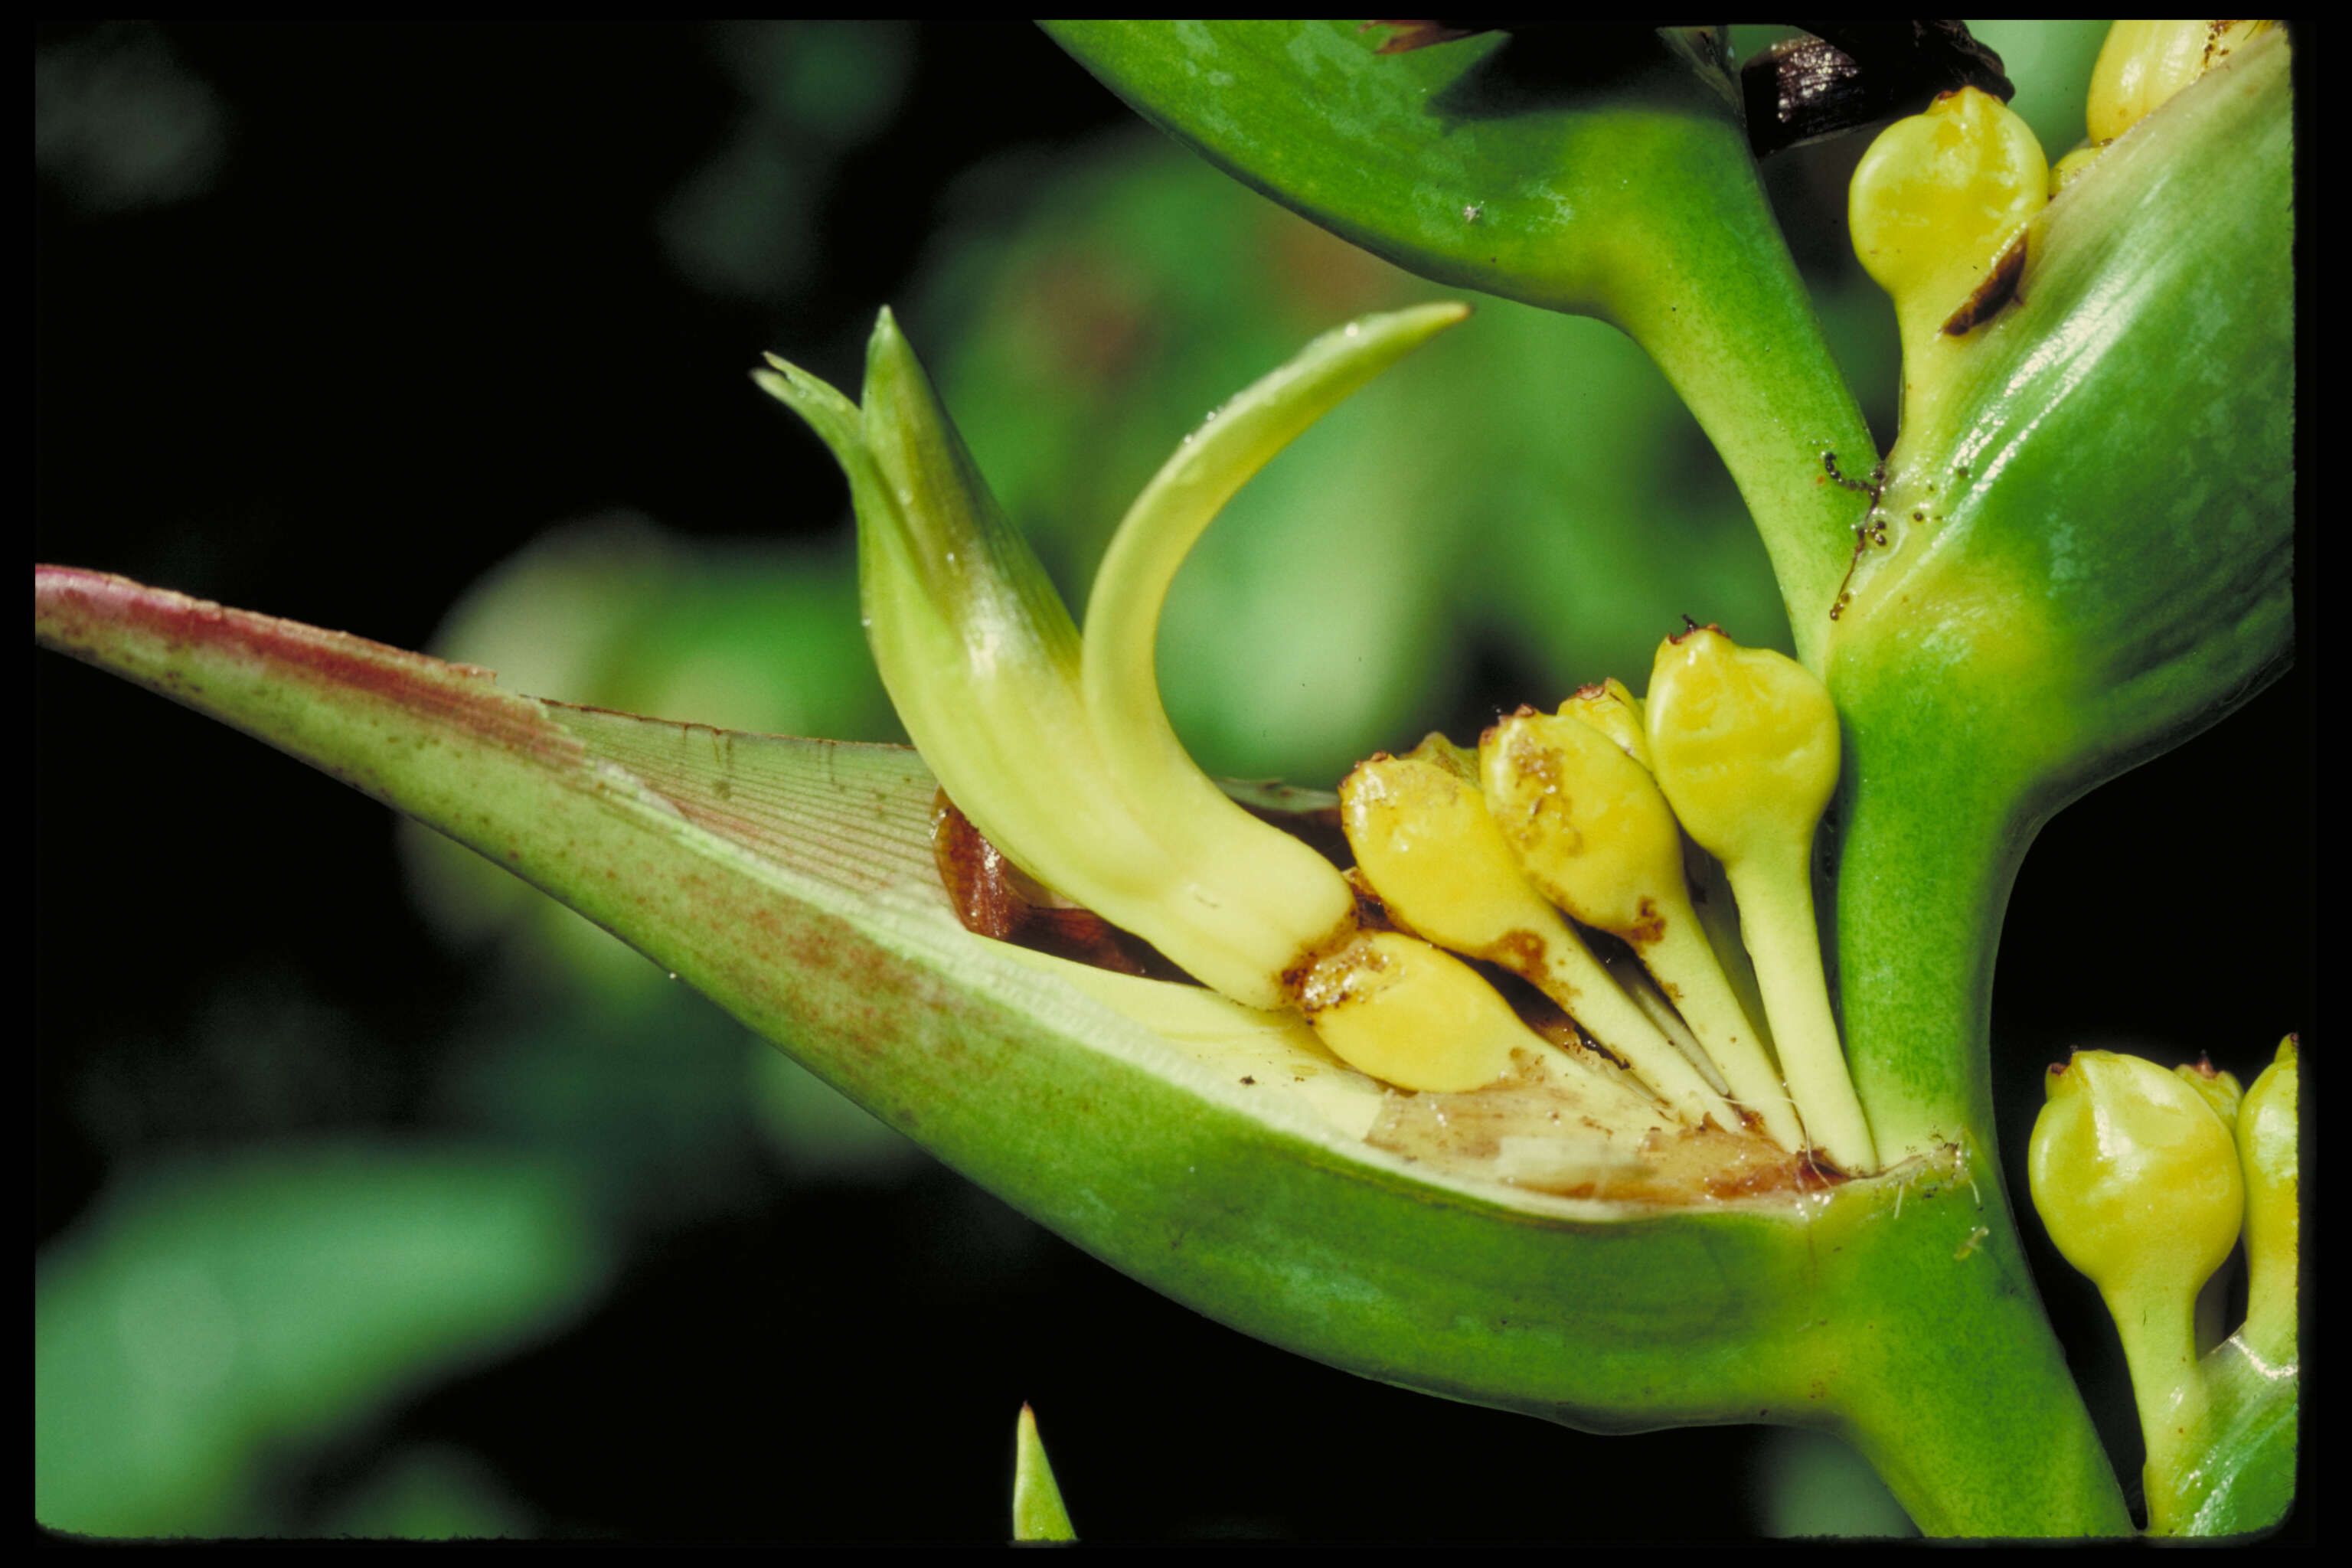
2137,1179
1591,830
1746,742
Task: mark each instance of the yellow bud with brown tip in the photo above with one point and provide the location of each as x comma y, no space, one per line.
1937,209
2135,1176
2138,1182
1424,840
1586,821
1591,831
1616,712
1939,195
2220,1089
1409,1014
1744,742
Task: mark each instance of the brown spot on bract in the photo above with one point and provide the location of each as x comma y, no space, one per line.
973,873
992,897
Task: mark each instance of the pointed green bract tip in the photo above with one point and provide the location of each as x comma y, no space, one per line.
1038,1510
977,651
832,416
971,560
890,362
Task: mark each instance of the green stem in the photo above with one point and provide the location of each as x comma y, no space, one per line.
2159,1333
1685,964
1926,857
1955,1389
1961,1398
1742,346
1776,907
1935,815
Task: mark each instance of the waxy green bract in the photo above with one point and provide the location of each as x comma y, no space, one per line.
2089,558
793,882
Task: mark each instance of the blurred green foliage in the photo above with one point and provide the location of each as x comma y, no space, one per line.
212,1317
120,123
433,1493
745,225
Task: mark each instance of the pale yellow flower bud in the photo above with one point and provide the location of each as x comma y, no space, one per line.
2143,64
1744,743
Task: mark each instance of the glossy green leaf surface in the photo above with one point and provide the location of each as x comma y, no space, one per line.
2241,1478
793,881
1496,162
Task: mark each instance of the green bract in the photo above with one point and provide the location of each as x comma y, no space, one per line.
793,882
1060,751
2088,556
2140,567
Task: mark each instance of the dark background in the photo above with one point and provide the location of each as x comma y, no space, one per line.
416,311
